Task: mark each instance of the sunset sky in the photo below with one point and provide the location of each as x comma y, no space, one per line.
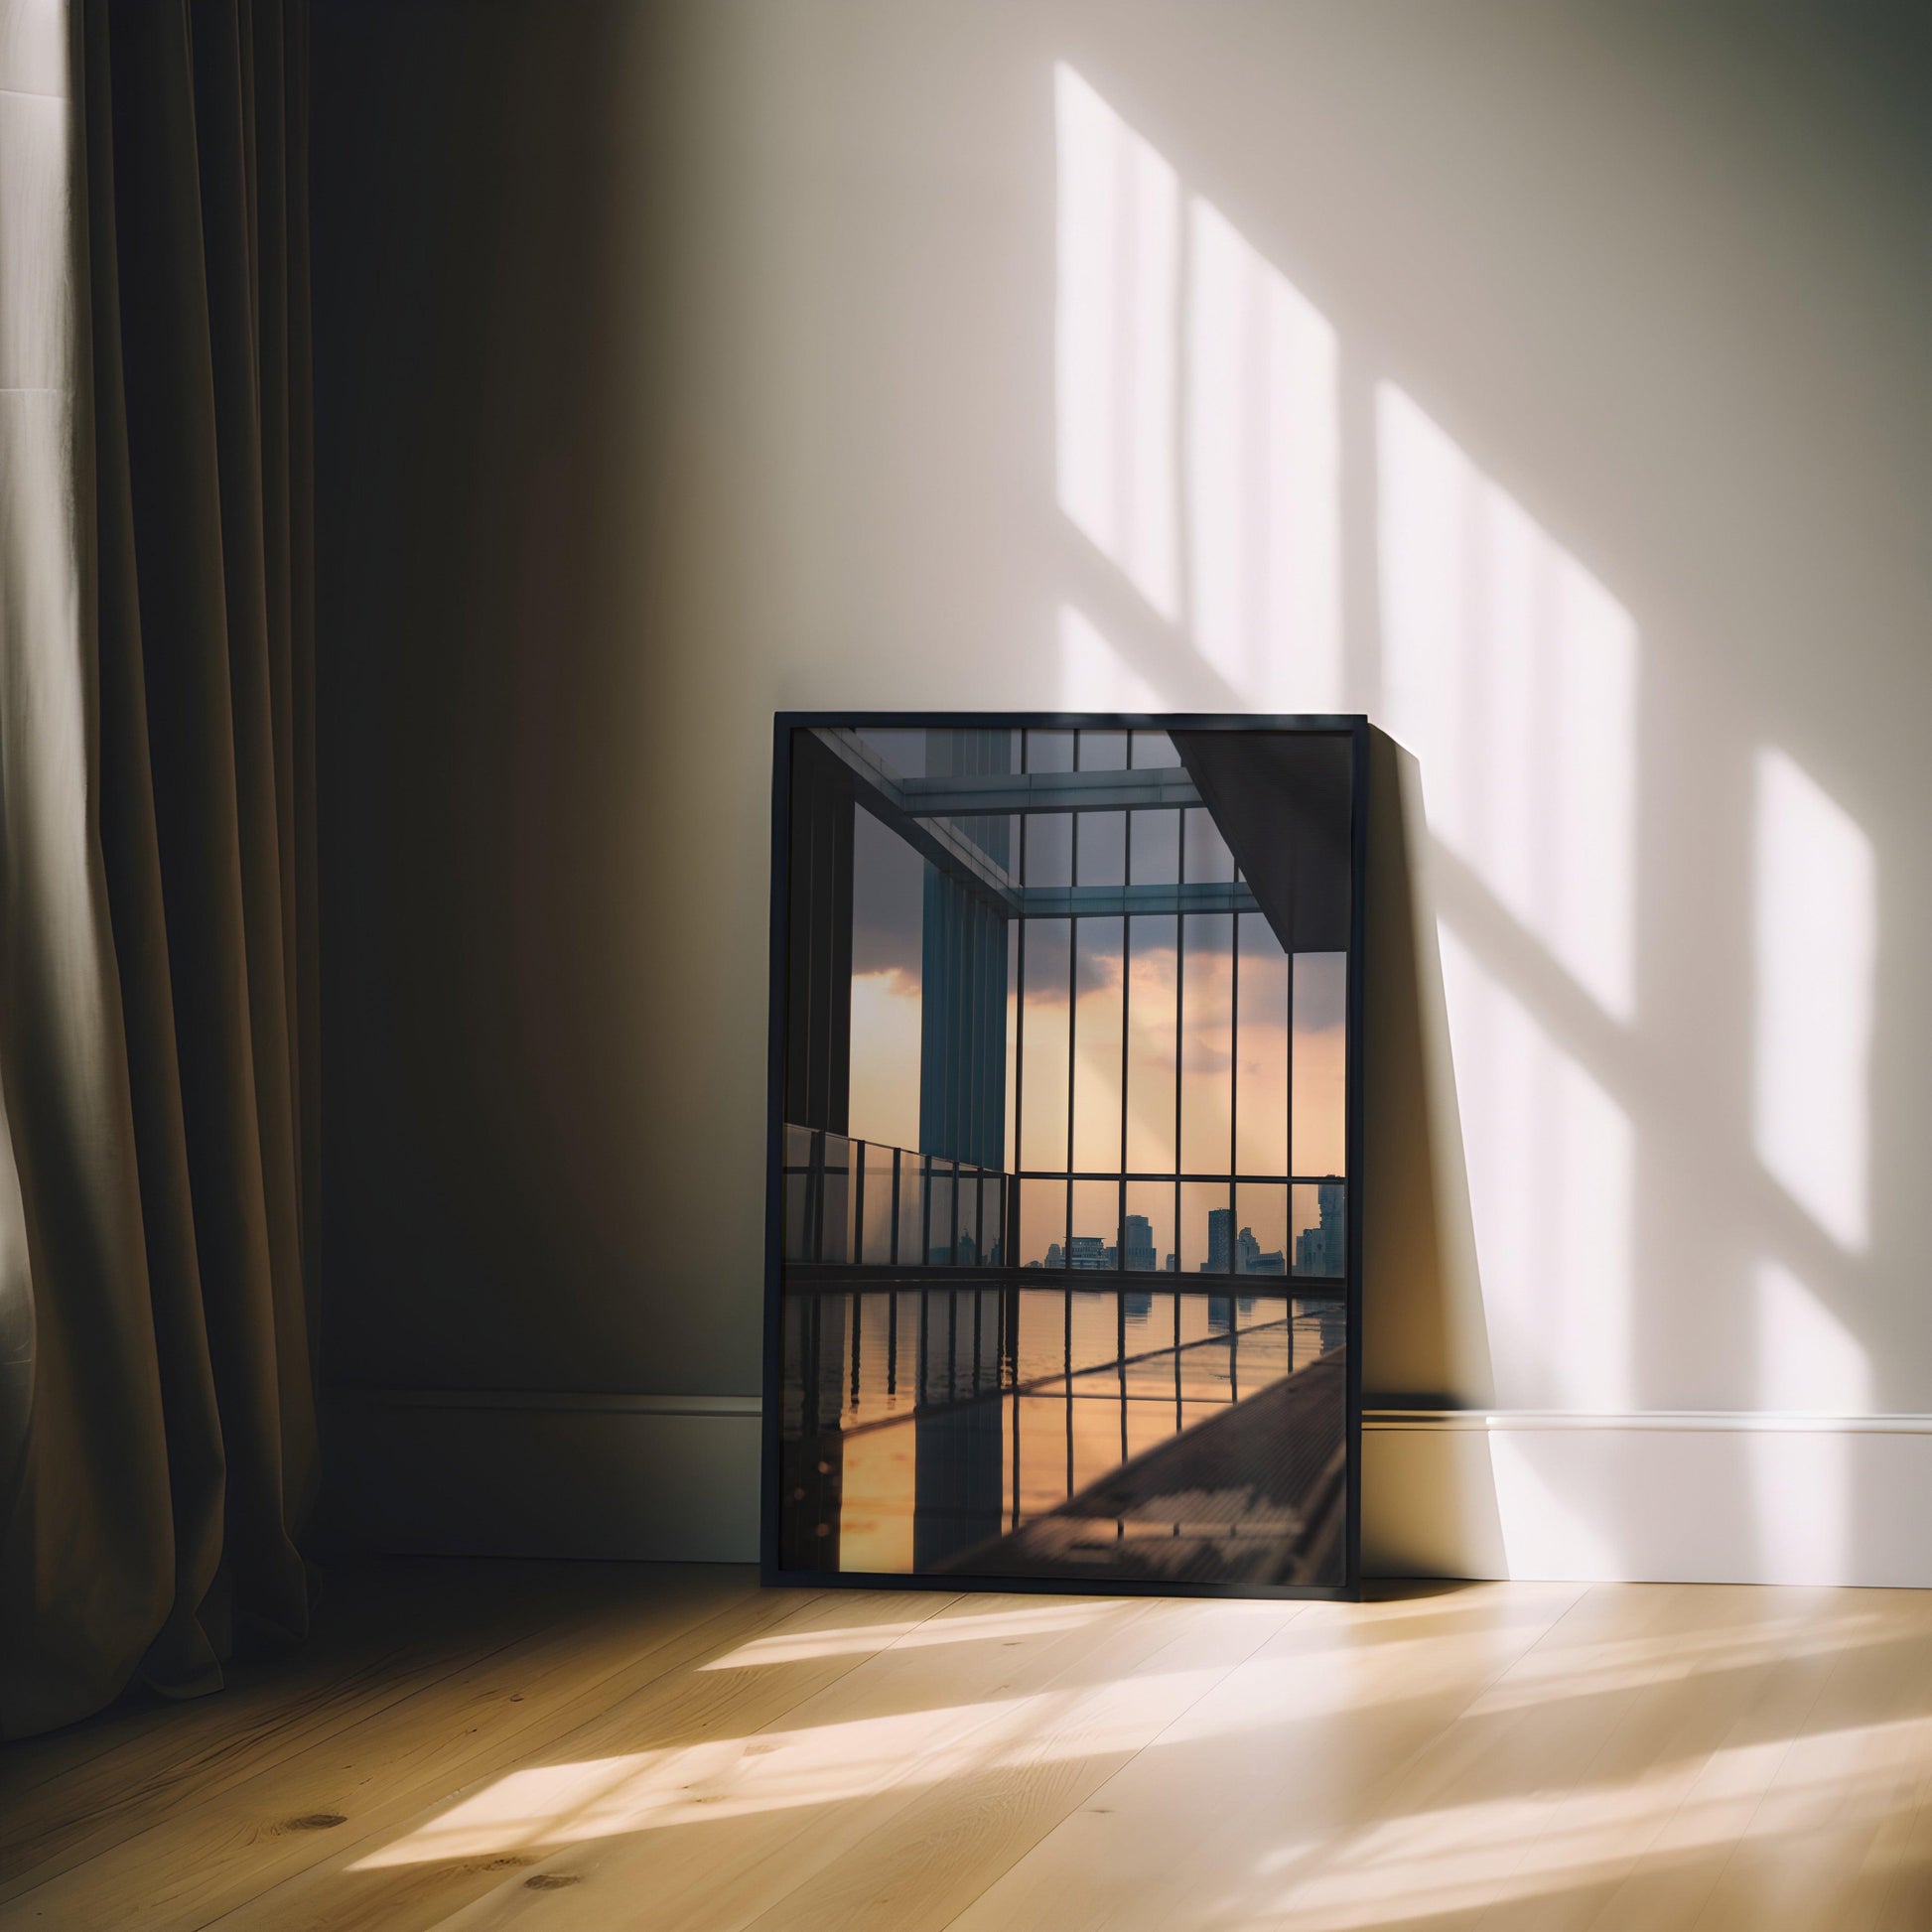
888,927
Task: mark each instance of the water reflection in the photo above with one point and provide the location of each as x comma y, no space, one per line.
1134,1434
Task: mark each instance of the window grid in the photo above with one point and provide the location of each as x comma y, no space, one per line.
1234,1176
910,1169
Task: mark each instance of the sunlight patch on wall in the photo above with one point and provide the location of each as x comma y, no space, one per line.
1816,942
1511,673
1552,1174
1263,447
1808,1363
1093,674
1544,1536
1119,230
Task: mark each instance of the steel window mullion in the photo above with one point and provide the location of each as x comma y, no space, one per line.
1013,1349
1126,1019
1180,1029
1289,1050
1014,1222
1067,1377
856,1158
1073,1018
1234,1072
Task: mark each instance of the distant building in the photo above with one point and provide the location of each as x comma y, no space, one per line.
1054,1259
1220,1240
1089,1251
1323,1249
1137,1251
1249,1258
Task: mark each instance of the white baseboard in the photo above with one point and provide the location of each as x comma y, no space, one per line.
1691,1498
1736,1499
527,1474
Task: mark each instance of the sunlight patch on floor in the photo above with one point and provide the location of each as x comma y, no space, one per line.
969,1628
784,1768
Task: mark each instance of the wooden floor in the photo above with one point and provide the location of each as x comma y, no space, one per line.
561,1747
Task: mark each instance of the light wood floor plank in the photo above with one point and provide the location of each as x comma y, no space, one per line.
1254,1782
412,1866
563,1748
1855,1765
382,1631
709,1838
984,1807
206,1854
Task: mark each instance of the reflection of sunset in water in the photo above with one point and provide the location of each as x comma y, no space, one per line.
925,1409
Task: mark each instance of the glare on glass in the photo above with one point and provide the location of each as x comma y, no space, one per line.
1206,1042
1045,1044
1260,1228
1151,1019
799,1192
839,1201
911,1209
1043,1224
1261,1050
1205,1236
1095,1237
875,1237
1320,1061
939,1201
888,892
967,1211
1097,1013
1146,1231
1009,1139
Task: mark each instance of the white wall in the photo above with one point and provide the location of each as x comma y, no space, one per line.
1549,384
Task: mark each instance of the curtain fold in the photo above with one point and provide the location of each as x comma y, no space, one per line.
158,1004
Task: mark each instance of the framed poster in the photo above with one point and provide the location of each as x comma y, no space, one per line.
1064,1198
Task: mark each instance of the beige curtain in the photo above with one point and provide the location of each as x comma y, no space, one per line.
157,871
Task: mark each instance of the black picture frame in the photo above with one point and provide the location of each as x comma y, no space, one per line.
772,1571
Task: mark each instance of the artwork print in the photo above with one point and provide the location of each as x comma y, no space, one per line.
1064,1192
